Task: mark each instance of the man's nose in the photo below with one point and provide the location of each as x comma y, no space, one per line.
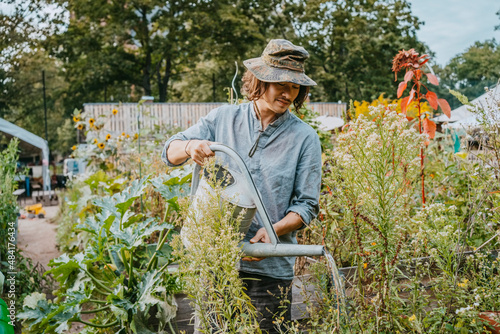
287,91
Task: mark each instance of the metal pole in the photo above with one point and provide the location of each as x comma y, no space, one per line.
45,106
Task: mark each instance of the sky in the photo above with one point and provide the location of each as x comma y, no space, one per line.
452,26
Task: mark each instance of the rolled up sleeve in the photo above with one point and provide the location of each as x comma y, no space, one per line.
307,183
204,129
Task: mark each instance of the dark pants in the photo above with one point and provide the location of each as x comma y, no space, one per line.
267,298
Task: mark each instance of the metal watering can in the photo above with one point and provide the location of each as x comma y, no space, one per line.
241,185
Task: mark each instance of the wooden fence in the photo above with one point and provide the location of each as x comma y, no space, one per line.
181,115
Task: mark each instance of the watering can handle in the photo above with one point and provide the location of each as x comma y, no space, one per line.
254,193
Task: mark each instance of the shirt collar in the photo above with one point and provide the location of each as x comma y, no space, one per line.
277,122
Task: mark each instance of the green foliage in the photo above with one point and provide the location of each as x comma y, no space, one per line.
8,202
28,278
352,44
309,116
114,276
470,72
209,250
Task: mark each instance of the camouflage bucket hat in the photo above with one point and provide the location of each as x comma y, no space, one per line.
281,61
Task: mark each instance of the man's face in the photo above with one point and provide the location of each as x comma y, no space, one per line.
279,96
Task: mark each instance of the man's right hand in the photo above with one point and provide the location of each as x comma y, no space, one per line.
199,150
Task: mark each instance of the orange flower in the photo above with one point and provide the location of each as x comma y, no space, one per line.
407,60
101,145
123,134
73,147
374,243
365,265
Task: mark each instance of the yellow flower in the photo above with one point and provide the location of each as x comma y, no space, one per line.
108,136
123,134
73,147
464,283
76,119
136,136
374,243
101,145
365,265
80,126
412,318
91,122
115,111
128,136
95,140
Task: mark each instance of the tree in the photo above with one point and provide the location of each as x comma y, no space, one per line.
23,61
352,43
471,71
231,32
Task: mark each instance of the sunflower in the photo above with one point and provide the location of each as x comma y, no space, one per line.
108,137
91,122
73,147
95,140
76,119
115,111
80,126
101,145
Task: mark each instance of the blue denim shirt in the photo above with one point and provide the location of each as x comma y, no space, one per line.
286,168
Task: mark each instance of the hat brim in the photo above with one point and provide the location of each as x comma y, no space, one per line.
267,73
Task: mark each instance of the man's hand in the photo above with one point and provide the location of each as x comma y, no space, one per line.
260,236
199,150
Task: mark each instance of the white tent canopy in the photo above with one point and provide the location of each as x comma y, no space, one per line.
328,123
31,139
463,113
456,115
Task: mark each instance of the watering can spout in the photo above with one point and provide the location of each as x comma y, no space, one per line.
270,250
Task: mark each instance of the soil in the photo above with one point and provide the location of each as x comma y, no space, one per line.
37,237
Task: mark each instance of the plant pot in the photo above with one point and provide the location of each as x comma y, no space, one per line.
493,319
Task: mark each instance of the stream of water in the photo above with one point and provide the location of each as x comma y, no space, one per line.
338,283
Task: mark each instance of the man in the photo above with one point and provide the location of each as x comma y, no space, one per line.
282,153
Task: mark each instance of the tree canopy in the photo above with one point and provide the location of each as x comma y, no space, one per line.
185,51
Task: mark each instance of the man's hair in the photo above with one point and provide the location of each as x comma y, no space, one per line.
254,88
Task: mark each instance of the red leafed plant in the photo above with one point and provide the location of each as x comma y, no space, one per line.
412,63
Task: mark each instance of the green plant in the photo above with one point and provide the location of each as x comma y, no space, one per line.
372,175
28,276
413,66
209,253
114,278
